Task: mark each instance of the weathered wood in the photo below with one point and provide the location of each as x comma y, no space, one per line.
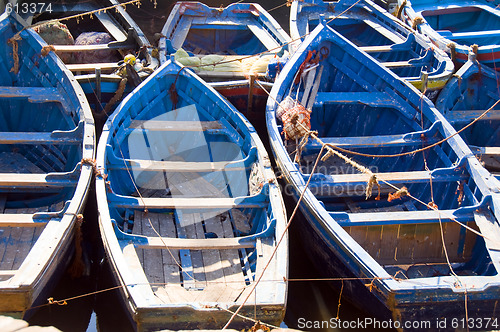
92,66
20,220
195,231
34,94
182,225
175,125
111,27
212,259
180,166
153,262
376,48
94,47
196,244
137,230
469,115
170,257
34,180
403,217
38,138
189,203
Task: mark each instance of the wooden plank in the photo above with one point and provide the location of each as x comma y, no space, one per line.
35,180
175,125
384,31
137,230
142,283
233,271
452,241
92,66
7,262
38,138
212,259
170,257
269,42
400,217
26,241
180,166
426,244
376,48
175,294
4,243
371,141
406,239
34,94
153,261
196,232
112,27
397,64
389,243
196,244
373,241
20,220
469,115
486,150
368,98
489,228
181,225
94,47
188,203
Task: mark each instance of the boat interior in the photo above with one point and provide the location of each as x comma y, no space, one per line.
465,25
476,93
351,110
40,142
395,48
197,174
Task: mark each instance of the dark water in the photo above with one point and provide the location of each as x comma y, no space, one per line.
307,300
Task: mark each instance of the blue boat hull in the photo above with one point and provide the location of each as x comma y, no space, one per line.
387,250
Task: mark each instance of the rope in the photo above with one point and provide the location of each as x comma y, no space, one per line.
428,205
15,53
78,266
417,150
277,244
118,95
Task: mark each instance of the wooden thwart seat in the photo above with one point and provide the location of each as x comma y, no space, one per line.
398,217
188,203
35,180
486,150
39,138
368,98
20,220
34,94
376,48
175,125
88,48
370,141
180,166
197,244
392,177
470,115
92,66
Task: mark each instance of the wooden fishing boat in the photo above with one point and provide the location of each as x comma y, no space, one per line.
390,249
190,211
94,47
471,91
410,56
46,139
218,35
456,25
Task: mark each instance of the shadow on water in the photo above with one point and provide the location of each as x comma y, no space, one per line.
308,301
